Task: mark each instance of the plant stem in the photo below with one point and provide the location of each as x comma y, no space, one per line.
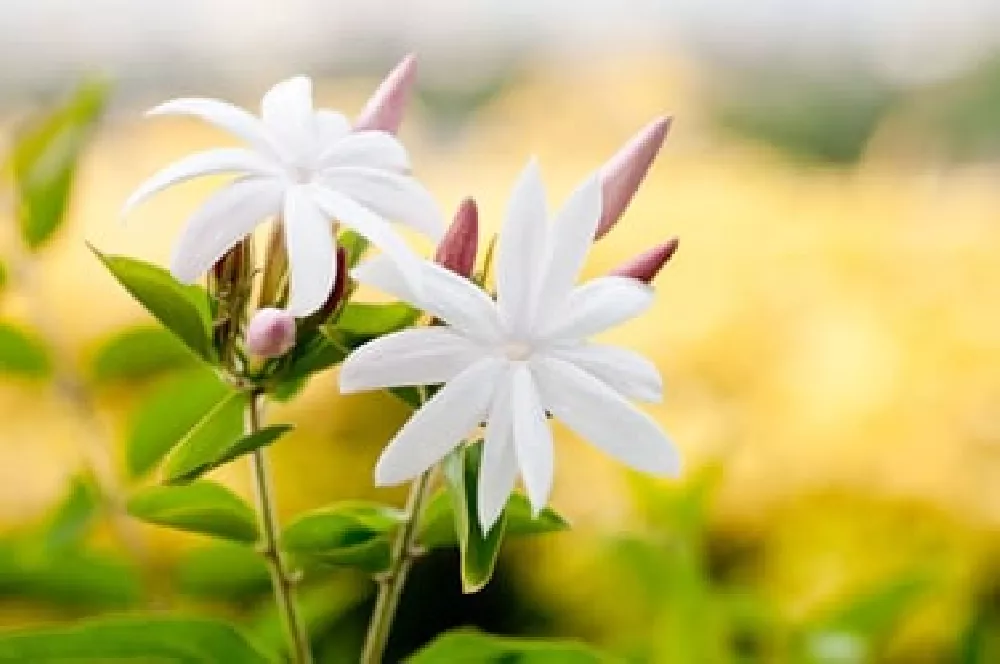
281,578
404,552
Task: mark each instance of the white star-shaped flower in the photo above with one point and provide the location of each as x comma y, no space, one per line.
306,166
511,361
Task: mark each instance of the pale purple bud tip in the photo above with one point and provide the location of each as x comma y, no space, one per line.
457,251
623,173
648,264
384,110
271,333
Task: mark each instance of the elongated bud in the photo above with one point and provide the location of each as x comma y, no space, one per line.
648,264
274,282
271,333
457,250
230,282
623,173
384,110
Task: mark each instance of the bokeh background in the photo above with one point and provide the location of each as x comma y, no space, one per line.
828,331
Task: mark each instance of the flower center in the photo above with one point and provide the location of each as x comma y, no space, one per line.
517,351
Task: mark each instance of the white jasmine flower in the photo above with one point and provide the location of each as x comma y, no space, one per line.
511,361
307,167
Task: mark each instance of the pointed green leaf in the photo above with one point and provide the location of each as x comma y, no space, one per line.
351,533
200,507
21,353
355,245
478,551
223,570
149,638
365,321
75,515
437,527
167,415
44,160
471,646
236,449
208,440
183,309
321,351
139,353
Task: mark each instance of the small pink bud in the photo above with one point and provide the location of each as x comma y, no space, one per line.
457,250
384,110
271,333
623,173
648,264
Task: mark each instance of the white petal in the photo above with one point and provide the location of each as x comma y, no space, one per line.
443,294
210,162
287,112
600,415
439,425
370,149
288,104
312,260
370,225
333,126
397,197
224,115
570,237
597,305
532,438
631,374
498,469
416,356
223,220
522,251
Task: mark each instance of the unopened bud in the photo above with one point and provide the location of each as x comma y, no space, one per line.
457,250
623,173
230,282
384,110
271,333
648,264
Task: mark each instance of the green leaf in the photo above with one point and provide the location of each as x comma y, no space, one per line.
351,533
236,449
321,351
200,507
139,353
437,527
367,321
183,309
150,638
168,414
205,443
21,353
471,646
45,157
31,569
224,570
3,277
355,245
75,515
478,551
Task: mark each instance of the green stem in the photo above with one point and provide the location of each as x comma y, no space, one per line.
281,578
404,551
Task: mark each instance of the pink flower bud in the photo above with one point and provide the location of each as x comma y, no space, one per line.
648,264
384,110
623,173
271,333
457,251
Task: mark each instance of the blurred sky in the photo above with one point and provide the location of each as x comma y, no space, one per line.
909,40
